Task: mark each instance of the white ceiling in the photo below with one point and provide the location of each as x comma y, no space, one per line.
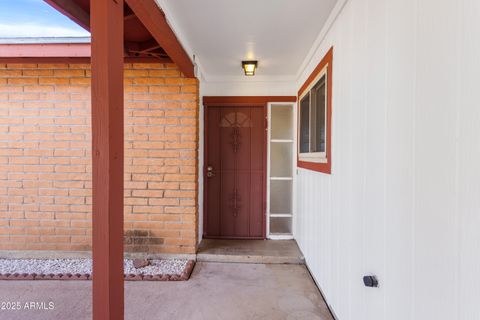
222,33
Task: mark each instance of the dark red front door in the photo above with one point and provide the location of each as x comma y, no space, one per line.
235,172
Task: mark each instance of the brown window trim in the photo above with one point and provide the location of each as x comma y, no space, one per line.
314,166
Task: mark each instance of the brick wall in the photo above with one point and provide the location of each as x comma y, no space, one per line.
45,162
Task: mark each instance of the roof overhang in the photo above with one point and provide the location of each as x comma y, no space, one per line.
56,50
147,38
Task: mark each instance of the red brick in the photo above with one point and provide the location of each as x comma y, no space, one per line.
69,73
37,72
48,157
55,81
10,73
22,81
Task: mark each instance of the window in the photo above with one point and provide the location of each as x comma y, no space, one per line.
314,128
313,123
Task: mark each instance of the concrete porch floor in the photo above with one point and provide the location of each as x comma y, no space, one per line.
220,291
250,251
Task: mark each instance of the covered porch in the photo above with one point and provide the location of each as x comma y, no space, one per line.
147,72
317,158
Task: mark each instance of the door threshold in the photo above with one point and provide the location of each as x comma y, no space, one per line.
250,251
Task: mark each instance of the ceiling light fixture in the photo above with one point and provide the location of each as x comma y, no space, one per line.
249,67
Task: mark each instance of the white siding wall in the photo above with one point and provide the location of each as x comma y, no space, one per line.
403,201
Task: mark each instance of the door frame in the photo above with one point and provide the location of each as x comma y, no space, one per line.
239,101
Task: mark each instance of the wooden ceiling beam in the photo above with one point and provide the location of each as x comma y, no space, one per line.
72,11
148,45
131,46
129,16
153,18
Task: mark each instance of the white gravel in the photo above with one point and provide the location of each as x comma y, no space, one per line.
84,266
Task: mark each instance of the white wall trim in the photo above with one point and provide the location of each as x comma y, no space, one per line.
170,17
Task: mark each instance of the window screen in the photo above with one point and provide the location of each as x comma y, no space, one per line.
305,124
318,126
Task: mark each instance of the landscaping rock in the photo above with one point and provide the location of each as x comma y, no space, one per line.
140,263
81,269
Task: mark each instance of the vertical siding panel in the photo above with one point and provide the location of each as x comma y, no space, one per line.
374,250
399,159
358,161
469,160
436,98
341,194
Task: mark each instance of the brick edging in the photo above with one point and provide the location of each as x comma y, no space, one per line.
185,275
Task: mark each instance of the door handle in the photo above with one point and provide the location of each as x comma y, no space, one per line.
210,173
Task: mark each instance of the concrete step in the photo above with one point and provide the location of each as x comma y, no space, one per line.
250,251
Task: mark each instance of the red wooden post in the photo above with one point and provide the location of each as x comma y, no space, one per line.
107,134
